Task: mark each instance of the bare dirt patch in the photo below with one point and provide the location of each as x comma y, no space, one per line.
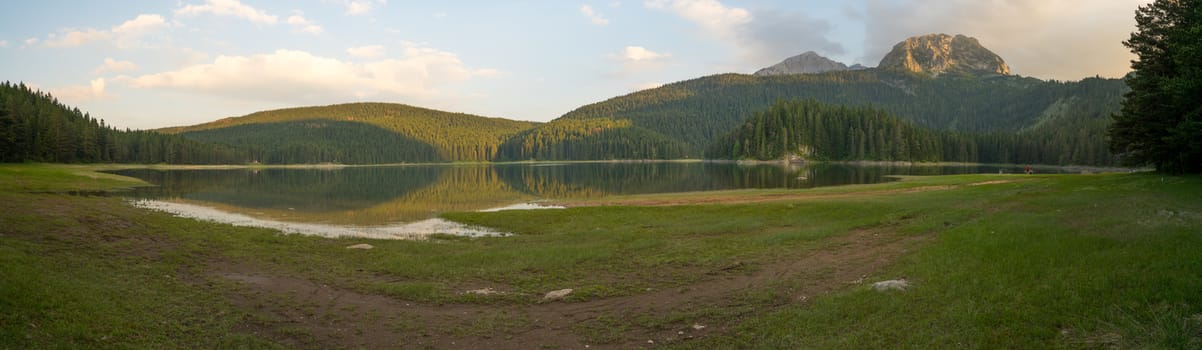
752,198
305,314
994,182
747,198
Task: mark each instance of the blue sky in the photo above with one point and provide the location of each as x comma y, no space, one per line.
149,64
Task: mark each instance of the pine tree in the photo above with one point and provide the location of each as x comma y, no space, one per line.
1161,119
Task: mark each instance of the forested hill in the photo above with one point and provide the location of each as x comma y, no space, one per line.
348,131
590,139
810,130
699,111
35,127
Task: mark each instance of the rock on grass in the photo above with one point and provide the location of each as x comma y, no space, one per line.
899,284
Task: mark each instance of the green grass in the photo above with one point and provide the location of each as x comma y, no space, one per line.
60,178
1071,262
78,275
1061,261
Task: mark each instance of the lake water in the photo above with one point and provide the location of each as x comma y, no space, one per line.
404,201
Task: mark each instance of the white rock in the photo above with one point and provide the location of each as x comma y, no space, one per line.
557,294
899,284
360,246
483,291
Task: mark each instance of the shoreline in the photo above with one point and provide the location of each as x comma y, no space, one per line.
332,166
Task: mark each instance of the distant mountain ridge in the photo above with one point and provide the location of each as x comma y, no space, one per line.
931,54
805,63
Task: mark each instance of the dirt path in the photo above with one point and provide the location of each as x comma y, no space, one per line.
303,314
745,198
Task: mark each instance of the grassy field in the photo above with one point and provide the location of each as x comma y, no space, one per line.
994,261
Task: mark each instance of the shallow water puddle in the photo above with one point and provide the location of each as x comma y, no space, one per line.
522,206
412,230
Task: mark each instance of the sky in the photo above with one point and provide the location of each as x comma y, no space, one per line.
148,64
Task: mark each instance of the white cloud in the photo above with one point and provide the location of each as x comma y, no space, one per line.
127,34
76,37
140,25
3,43
593,16
81,93
640,54
359,7
229,8
637,59
369,51
31,41
1058,39
130,33
762,37
300,24
299,77
111,65
711,15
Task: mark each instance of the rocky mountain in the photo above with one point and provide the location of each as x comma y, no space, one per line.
806,63
936,54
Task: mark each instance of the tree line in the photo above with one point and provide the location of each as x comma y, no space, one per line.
981,119
320,141
36,127
589,139
812,130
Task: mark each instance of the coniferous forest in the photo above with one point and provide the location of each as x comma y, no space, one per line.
320,141
811,130
848,115
590,139
1068,119
35,127
450,136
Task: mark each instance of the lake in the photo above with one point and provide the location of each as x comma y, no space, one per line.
404,201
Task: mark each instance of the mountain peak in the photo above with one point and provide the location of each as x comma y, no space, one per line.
935,54
805,63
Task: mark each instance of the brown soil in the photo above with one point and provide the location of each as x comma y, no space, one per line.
303,314
743,198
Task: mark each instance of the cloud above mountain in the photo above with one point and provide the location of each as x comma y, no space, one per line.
228,8
300,77
759,36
